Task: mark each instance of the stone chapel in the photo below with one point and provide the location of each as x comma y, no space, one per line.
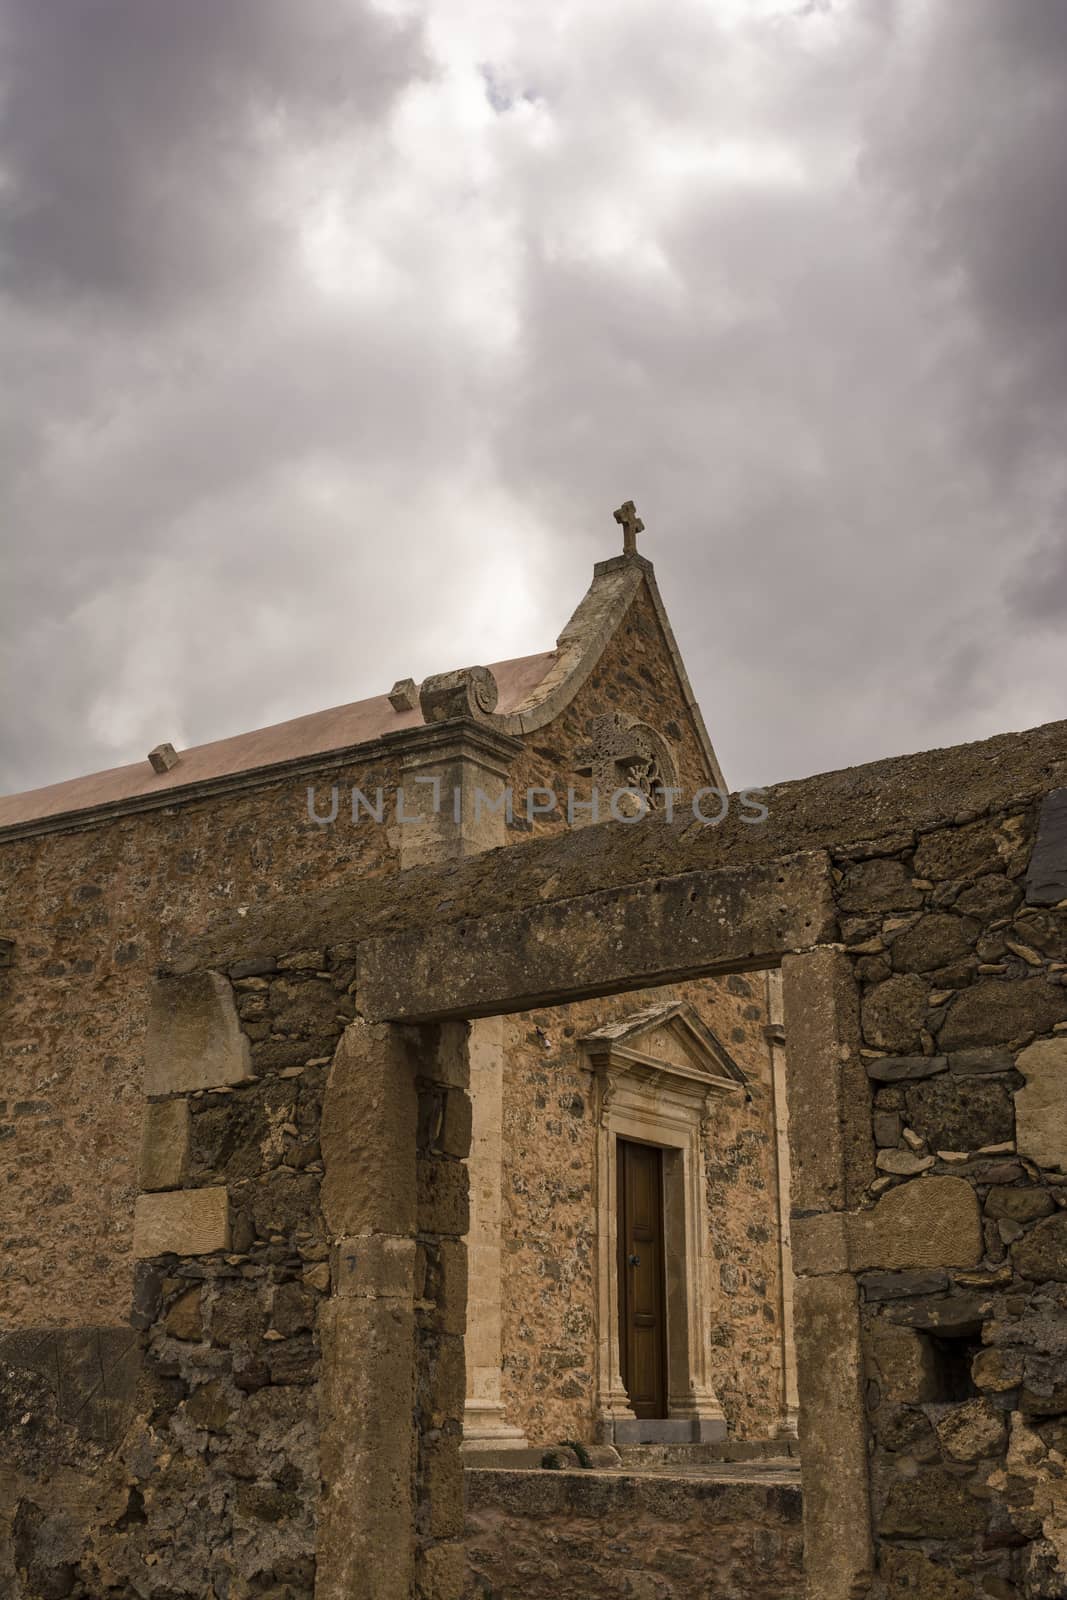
629,1264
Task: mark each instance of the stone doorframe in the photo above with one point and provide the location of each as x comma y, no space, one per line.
706,922
662,1103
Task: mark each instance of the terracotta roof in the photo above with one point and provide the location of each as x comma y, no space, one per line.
317,734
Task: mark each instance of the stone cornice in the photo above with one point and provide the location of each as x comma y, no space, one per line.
488,742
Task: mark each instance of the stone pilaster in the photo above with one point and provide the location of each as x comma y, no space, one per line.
485,1425
455,780
454,777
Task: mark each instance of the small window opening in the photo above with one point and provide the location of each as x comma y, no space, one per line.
952,1357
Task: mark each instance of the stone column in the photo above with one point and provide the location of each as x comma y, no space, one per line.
775,1031
395,1134
455,776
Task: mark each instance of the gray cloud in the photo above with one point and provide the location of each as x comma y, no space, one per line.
333,335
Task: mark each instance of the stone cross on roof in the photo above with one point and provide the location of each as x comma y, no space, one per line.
631,525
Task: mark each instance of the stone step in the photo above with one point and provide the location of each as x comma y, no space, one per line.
659,1455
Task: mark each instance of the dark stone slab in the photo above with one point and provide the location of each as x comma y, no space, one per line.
1046,877
903,1285
81,1379
891,1069
957,1315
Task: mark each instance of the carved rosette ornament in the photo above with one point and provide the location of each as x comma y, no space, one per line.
627,754
470,692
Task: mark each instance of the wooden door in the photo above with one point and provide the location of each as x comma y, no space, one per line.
642,1333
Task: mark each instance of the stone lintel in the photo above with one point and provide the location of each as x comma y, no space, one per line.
648,933
183,1222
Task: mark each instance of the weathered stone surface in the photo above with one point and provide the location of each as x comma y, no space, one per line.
883,884
1020,1205
165,1145
65,1392
954,1113
936,940
366,1509
185,1318
1046,876
1041,1106
988,898
903,1285
820,1244
443,1197
907,1572
184,1222
1042,1326
830,1146
968,852
932,1505
903,1363
956,1315
1042,1253
546,1534
931,1222
1044,1390
997,1371
972,1431
995,1011
895,1069
685,925
369,1119
903,1163
194,1038
893,1013
976,1063
374,1266
905,1429
886,1126
837,1544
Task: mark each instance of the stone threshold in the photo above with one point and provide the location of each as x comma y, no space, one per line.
709,1451
755,1461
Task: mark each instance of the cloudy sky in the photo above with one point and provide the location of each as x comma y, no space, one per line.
333,331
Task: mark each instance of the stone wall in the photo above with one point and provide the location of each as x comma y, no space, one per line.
90,910
299,1298
549,1237
540,1535
964,1026
203,1476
